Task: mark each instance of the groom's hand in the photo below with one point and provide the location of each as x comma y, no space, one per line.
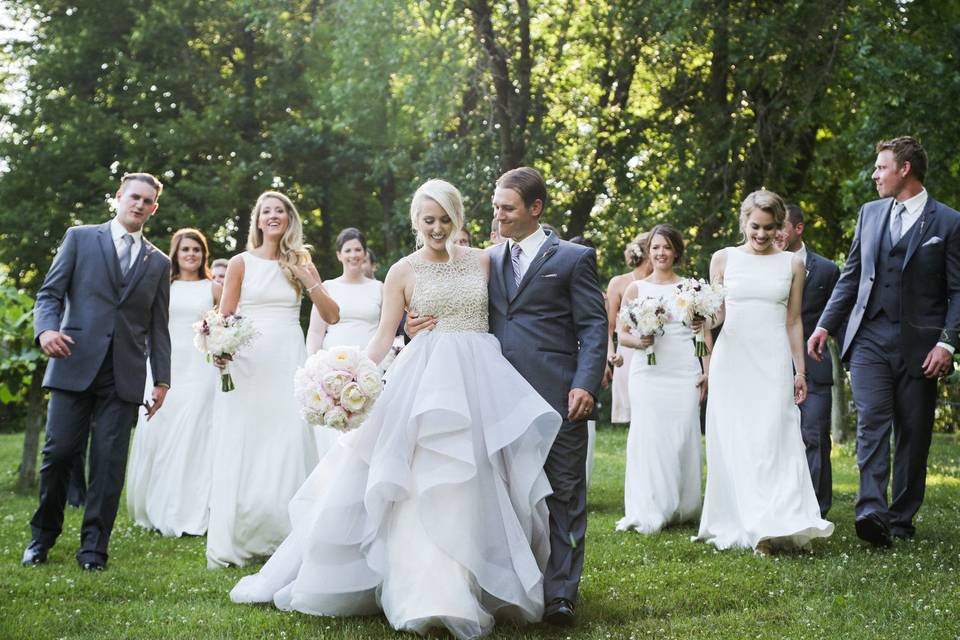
159,393
579,403
939,362
817,343
415,324
55,344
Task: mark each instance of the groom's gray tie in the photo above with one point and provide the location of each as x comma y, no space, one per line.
515,252
123,253
896,225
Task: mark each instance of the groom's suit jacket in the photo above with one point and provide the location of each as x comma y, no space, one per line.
86,297
929,280
553,328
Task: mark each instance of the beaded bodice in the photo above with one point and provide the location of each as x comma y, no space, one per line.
455,292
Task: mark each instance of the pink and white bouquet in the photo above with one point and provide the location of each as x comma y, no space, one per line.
697,299
337,388
645,316
222,336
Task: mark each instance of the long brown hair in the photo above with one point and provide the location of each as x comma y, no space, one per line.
196,236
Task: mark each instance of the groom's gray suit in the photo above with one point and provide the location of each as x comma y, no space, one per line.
553,330
115,321
902,297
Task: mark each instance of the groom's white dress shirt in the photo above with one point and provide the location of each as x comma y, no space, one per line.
914,207
117,231
529,247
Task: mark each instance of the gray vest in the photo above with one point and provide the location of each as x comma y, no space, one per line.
885,295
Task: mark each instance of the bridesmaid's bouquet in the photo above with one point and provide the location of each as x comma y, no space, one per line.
337,388
645,317
222,336
697,299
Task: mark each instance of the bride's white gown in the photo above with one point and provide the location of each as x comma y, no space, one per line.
758,482
433,510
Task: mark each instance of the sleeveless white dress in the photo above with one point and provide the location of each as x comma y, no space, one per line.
432,511
758,482
359,313
662,483
168,475
264,449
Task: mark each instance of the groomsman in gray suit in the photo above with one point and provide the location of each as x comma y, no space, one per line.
900,287
822,276
102,310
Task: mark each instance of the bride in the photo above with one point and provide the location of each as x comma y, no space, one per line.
433,511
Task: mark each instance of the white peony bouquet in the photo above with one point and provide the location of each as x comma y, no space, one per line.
697,299
645,316
223,336
337,388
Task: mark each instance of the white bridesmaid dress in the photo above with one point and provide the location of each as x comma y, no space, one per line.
169,472
662,482
758,481
359,312
264,449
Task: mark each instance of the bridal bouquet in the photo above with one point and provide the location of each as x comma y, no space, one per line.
645,317
698,300
337,388
223,336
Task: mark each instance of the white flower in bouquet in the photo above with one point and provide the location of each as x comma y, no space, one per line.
337,388
222,336
645,316
697,299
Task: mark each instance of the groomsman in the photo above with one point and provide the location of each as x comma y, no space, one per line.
822,276
102,310
901,289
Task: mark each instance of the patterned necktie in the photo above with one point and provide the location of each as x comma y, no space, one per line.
126,241
515,252
896,225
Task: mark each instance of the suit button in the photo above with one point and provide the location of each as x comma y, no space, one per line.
509,317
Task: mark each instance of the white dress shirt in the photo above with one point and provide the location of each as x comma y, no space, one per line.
914,207
529,247
802,252
117,231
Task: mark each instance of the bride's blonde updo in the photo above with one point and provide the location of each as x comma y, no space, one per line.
765,201
293,252
448,197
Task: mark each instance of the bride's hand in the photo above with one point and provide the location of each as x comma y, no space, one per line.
646,341
220,362
702,383
799,388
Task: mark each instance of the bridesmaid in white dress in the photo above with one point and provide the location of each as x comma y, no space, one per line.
434,509
168,477
264,449
662,483
759,494
358,297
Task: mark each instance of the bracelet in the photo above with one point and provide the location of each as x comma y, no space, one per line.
801,374
309,289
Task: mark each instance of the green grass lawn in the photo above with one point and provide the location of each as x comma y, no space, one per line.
634,586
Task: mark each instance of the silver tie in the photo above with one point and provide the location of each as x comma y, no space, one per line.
126,241
515,252
896,225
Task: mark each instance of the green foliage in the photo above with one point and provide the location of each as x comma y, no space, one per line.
19,356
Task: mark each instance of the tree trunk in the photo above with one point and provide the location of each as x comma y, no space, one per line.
839,430
36,416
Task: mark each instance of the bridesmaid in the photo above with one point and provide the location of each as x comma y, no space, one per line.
168,481
264,448
358,297
662,484
621,355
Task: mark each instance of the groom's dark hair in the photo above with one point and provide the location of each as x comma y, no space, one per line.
526,181
907,149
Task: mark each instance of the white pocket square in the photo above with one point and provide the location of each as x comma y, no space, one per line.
933,240
549,275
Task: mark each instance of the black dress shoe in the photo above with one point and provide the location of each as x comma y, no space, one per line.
559,612
901,534
35,553
873,530
91,565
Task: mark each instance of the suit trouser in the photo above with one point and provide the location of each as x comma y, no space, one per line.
886,396
566,471
69,417
815,429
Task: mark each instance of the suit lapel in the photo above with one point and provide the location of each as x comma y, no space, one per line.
547,249
810,265
109,252
924,228
139,268
882,226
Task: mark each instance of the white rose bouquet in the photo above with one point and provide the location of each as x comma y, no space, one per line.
645,317
697,299
337,388
223,337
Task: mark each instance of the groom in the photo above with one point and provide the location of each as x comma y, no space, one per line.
101,311
901,288
546,308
